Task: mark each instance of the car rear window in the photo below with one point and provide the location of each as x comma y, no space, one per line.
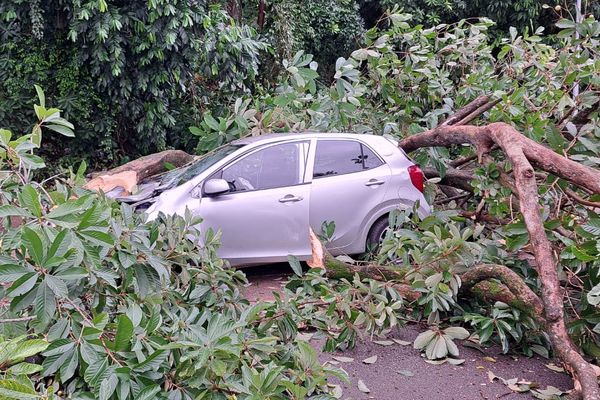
339,157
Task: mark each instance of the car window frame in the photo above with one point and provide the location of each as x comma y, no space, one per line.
360,142
219,173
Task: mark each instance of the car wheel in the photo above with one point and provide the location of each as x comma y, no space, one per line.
377,233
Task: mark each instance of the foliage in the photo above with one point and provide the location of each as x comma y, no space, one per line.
326,29
129,304
134,75
440,343
439,69
133,308
15,370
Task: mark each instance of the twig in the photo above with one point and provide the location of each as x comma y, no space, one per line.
20,319
449,199
478,112
580,199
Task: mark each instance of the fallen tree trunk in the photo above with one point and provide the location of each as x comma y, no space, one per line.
128,175
490,282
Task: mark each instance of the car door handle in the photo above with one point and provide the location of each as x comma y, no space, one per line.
290,198
374,182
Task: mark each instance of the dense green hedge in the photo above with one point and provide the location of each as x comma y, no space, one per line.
136,75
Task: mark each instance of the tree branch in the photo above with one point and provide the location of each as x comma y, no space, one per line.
524,153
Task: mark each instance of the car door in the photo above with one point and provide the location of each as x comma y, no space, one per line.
349,181
264,217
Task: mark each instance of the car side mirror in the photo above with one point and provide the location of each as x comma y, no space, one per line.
215,187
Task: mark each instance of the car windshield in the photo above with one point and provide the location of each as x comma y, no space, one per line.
182,175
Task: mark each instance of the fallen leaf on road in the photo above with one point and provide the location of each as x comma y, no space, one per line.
436,362
362,387
383,342
343,359
473,345
370,360
555,367
455,361
549,393
491,376
490,359
406,372
402,342
337,391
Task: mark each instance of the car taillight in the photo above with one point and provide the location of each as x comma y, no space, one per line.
416,177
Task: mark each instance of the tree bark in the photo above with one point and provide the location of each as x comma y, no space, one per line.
153,164
130,174
524,154
261,15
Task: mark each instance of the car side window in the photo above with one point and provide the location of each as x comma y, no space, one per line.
275,166
339,157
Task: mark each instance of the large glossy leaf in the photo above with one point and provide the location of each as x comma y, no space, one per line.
8,210
30,199
124,333
12,389
45,303
34,245
12,272
23,285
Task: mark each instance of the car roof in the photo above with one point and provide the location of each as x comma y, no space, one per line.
275,137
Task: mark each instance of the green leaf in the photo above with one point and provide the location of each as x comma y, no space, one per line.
45,303
32,161
63,130
581,254
8,210
72,273
592,226
69,367
24,368
30,199
96,372
24,349
23,285
423,339
11,389
437,348
100,238
57,285
153,361
593,296
295,264
56,244
41,96
12,272
66,209
33,244
457,332
514,243
149,393
124,333
565,24
107,387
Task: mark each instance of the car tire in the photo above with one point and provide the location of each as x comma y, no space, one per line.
376,233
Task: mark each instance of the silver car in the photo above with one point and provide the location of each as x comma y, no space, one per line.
263,193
